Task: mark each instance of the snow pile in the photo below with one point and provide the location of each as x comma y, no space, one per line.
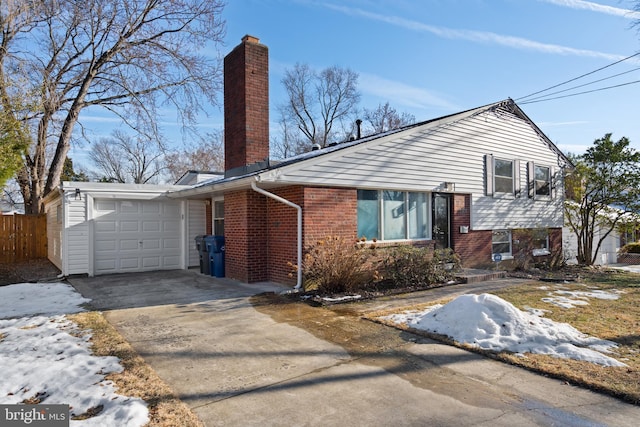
49,358
491,323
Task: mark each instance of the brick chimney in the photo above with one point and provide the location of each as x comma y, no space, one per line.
246,104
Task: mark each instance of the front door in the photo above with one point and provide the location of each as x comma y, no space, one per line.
442,220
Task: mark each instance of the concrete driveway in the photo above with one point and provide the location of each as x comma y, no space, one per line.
243,360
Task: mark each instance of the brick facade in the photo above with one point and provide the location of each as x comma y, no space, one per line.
245,231
261,233
246,104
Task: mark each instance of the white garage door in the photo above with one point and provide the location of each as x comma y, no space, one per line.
136,235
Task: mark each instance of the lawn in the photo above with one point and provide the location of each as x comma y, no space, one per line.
586,305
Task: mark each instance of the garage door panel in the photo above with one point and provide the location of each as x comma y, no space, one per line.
172,210
171,226
105,245
129,226
129,207
171,244
106,266
151,208
151,262
128,244
129,263
106,226
151,244
105,206
151,226
172,261
136,236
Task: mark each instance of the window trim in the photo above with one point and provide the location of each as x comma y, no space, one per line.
490,178
542,251
531,181
215,218
407,225
505,255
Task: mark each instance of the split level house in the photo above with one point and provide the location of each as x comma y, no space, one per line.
485,182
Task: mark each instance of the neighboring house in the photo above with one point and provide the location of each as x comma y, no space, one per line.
627,231
192,177
485,182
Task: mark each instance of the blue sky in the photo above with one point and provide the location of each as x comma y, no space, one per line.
436,57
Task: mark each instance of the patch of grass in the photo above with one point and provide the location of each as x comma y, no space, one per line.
615,320
137,379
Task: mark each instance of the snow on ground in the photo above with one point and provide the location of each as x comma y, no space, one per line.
48,299
491,323
47,356
570,299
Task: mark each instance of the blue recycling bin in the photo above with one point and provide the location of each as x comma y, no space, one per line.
215,247
203,253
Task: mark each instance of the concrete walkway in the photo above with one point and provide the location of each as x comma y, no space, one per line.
239,360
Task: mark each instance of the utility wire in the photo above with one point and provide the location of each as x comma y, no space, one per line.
582,85
579,93
579,77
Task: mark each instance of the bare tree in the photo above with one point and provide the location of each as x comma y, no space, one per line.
60,57
318,103
124,158
386,118
205,155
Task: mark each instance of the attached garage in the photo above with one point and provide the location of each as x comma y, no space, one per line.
119,228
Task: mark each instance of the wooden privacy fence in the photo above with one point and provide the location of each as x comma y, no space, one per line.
22,238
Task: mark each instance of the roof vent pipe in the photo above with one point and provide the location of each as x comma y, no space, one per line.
315,147
358,125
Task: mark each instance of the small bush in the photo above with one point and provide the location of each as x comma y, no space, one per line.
630,248
338,265
407,266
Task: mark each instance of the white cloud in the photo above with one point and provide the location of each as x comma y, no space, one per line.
486,37
402,94
595,7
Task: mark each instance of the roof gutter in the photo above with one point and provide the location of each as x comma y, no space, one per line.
277,198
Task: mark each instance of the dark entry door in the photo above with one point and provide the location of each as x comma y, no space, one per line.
442,220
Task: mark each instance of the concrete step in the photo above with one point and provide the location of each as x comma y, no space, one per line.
474,275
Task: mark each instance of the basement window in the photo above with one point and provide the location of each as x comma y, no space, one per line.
501,243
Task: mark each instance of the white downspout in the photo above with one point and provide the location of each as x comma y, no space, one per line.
299,209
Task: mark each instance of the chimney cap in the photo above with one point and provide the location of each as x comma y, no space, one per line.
250,39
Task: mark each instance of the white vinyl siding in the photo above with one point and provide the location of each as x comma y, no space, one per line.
76,235
55,219
425,157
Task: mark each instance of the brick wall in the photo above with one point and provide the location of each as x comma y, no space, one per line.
330,212
283,234
474,247
245,236
326,212
246,104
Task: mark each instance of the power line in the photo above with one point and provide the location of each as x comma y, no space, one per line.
579,93
579,77
582,85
